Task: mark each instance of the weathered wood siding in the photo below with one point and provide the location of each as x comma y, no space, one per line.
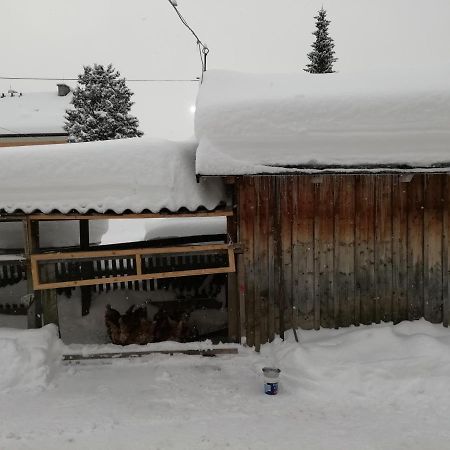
337,250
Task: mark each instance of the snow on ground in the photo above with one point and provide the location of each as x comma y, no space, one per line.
367,387
253,123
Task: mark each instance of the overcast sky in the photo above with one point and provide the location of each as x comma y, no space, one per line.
144,39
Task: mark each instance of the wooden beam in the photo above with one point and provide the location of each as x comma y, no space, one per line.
131,252
139,354
85,268
122,279
31,245
109,216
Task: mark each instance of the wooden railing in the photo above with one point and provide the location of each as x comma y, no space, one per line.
44,266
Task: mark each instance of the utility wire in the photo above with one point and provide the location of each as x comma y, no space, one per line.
150,80
203,48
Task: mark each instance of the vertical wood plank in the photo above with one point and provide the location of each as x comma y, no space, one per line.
272,324
364,247
247,215
344,261
433,218
303,251
383,247
415,247
324,305
445,253
286,187
399,250
257,261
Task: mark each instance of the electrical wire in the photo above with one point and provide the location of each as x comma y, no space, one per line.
203,48
150,80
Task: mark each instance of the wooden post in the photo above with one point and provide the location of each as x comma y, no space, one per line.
232,288
85,268
31,243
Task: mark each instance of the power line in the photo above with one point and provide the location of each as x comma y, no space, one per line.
143,80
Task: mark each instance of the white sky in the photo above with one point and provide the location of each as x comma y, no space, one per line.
144,39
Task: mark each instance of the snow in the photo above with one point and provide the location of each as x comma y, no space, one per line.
130,230
36,112
367,387
51,234
30,358
130,174
251,123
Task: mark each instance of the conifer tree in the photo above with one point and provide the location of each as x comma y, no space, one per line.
322,56
101,105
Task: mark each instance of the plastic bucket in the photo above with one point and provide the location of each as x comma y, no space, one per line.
271,375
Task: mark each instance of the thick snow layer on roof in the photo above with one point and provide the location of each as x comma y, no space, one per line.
130,174
249,124
33,113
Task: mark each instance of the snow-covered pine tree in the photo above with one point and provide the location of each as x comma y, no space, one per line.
101,105
322,56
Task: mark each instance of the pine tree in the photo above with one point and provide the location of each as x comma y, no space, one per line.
101,105
322,56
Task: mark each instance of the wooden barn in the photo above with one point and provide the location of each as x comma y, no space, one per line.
341,198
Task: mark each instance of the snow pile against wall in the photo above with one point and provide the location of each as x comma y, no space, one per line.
130,174
29,357
249,124
40,112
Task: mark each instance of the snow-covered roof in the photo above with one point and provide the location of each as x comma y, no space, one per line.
252,124
134,175
33,113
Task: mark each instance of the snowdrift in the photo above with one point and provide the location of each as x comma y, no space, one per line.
29,357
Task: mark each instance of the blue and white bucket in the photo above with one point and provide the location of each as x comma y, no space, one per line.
271,375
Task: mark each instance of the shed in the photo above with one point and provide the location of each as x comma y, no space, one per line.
95,181
341,196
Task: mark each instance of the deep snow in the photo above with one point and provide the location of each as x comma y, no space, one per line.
120,175
367,387
254,123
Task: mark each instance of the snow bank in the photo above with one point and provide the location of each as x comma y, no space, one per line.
248,124
130,174
366,363
29,357
37,112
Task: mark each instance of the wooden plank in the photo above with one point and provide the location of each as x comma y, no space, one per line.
286,217
325,308
232,279
280,299
364,247
272,325
247,217
38,285
86,272
445,252
107,216
399,249
415,247
139,354
261,259
303,251
433,218
383,247
344,260
31,244
131,252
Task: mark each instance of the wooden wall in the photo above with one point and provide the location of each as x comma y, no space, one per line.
337,250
